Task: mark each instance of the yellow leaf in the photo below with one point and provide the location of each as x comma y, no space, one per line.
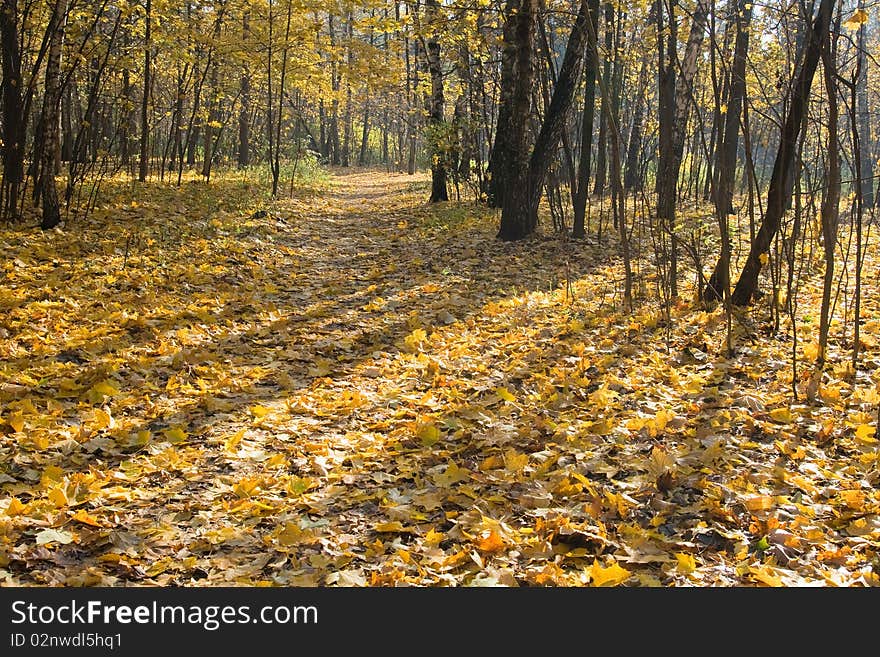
490,544
82,516
142,438
105,388
452,474
158,567
247,486
58,497
16,421
491,462
393,526
766,575
830,393
292,534
414,340
15,507
428,433
103,419
854,499
505,394
233,440
686,562
259,411
514,460
811,351
175,435
610,576
760,503
782,415
51,475
432,538
601,427
277,460
764,258
865,433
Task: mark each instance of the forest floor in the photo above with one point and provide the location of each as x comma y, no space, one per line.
355,388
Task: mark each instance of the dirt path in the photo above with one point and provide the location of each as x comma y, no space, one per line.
360,389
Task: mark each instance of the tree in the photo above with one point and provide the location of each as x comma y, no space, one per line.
50,118
513,163
14,119
718,286
143,163
591,67
518,219
780,189
435,102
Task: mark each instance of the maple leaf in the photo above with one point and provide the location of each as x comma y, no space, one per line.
491,544
612,575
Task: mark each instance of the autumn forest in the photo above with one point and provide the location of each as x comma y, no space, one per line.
439,293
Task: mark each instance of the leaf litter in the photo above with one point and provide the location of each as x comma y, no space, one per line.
358,389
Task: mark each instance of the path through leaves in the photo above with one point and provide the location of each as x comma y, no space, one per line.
358,389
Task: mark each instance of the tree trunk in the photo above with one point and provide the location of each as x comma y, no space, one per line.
51,107
515,162
591,68
348,118
675,96
244,126
14,120
632,178
145,100
365,135
829,214
435,104
211,125
779,192
864,118
602,145
501,152
554,122
719,282
334,103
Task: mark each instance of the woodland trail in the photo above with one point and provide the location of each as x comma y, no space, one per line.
359,389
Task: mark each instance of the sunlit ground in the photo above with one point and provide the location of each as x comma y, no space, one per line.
204,387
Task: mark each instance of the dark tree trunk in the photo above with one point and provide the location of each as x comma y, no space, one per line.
554,123
127,107
244,125
213,120
719,282
779,192
675,99
14,121
667,40
51,107
499,157
334,104
143,164
829,212
365,135
348,118
632,177
515,162
435,104
864,118
602,145
591,68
